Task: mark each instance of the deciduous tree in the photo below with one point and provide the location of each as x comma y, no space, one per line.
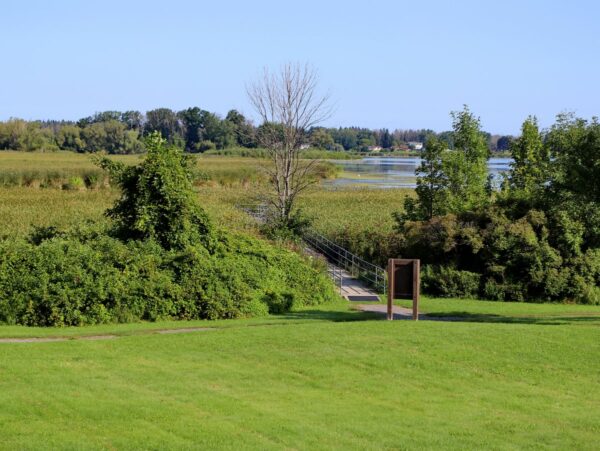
289,104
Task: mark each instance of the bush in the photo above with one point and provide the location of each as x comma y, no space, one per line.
279,229
448,282
87,277
204,146
75,183
157,200
161,259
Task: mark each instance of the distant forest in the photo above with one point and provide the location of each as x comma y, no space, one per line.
197,130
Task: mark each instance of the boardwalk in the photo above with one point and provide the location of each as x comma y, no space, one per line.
341,264
350,288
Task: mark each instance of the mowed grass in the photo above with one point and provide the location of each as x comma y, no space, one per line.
317,380
477,310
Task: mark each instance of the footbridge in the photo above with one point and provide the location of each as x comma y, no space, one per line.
356,278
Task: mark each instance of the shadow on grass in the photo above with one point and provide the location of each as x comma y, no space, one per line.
334,316
549,320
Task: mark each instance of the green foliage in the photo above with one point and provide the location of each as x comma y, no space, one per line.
17,134
539,238
445,281
465,168
515,259
69,137
76,183
575,145
451,181
164,261
192,124
431,185
321,139
157,200
531,159
86,277
165,122
286,229
205,146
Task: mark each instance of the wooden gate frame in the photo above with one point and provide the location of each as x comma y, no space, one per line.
392,263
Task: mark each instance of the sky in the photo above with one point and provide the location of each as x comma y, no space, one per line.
386,64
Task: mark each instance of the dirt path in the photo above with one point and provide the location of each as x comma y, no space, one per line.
402,312
399,312
99,337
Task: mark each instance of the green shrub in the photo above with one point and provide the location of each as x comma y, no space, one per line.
278,302
157,198
446,281
87,277
162,259
589,295
523,258
204,146
75,183
292,229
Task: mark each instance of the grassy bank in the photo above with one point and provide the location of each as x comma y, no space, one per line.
310,381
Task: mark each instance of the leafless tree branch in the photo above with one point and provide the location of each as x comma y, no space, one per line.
288,104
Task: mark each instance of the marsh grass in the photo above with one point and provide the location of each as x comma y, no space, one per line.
337,209
58,170
23,208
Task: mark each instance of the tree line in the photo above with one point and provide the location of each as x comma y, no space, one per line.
536,237
197,130
115,132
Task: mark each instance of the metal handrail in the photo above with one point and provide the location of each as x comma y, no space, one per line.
357,266
334,253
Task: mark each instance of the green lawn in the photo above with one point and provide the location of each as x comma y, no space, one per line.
310,380
510,312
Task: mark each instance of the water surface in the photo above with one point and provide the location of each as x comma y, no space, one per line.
395,172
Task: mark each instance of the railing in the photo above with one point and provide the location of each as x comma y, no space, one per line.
337,256
336,275
356,266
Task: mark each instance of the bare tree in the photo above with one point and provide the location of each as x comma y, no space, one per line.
289,105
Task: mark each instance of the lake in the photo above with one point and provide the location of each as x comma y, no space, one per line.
394,172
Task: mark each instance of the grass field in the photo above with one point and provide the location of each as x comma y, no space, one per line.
504,376
317,379
511,312
231,181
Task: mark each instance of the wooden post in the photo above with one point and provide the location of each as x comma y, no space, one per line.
390,303
416,288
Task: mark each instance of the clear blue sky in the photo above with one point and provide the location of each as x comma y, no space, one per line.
395,64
